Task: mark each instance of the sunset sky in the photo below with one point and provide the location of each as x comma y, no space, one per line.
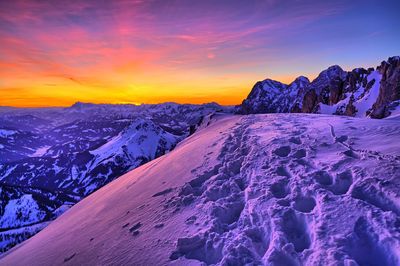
54,53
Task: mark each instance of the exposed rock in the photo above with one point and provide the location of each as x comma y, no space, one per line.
295,108
335,91
389,90
355,78
360,92
380,112
269,96
309,101
350,109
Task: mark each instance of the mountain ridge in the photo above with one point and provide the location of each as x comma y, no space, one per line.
360,92
47,153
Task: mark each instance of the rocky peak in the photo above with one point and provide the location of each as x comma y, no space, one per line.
389,90
388,66
262,96
360,92
333,71
324,78
300,81
269,84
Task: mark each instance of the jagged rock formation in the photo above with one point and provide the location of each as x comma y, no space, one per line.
360,92
271,96
389,90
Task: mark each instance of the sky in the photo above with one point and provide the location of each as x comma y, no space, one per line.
54,53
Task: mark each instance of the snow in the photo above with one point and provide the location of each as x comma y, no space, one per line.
12,236
365,103
63,208
332,109
40,151
4,133
140,139
26,207
90,188
9,170
281,189
364,100
74,172
395,113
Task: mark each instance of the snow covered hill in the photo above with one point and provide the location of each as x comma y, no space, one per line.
277,189
26,210
48,152
360,92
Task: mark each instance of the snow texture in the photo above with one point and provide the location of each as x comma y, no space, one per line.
54,154
278,189
25,207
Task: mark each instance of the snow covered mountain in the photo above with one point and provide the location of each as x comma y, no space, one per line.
276,189
360,92
271,96
53,157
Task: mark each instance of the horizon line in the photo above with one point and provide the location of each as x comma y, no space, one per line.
105,103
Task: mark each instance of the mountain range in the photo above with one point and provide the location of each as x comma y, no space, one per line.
361,92
53,157
245,184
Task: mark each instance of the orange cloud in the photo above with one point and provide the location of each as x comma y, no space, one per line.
55,53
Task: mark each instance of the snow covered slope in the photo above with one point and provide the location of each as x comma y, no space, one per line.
48,152
278,189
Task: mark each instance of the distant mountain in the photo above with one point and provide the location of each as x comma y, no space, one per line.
25,211
50,158
361,92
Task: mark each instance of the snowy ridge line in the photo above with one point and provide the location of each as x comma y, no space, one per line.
13,236
38,188
5,230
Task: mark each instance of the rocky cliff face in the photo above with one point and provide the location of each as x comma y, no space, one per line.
389,90
271,96
360,92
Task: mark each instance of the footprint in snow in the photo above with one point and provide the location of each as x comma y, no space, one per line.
300,154
304,204
280,189
295,140
282,151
